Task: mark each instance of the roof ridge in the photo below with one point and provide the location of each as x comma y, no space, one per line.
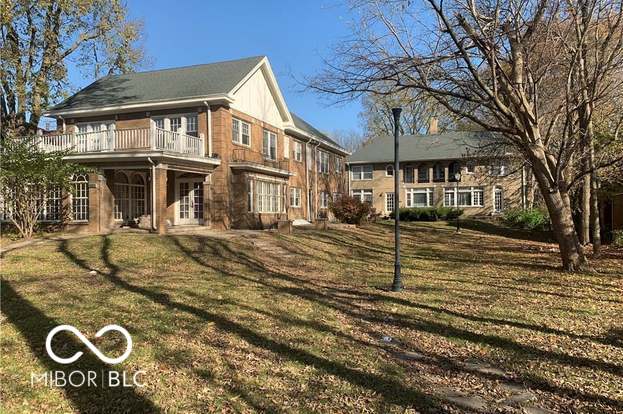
187,66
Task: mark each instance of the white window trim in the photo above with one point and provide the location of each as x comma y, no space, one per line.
362,193
387,168
393,196
182,116
324,200
471,190
417,190
271,135
298,156
295,197
239,138
497,189
361,173
323,162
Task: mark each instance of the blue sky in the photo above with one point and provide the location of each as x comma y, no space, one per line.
295,35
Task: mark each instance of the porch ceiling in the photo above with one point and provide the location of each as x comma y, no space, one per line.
145,158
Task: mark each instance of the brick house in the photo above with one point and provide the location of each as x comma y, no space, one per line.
428,165
212,145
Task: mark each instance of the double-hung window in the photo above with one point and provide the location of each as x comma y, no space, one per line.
365,196
408,174
361,172
240,132
324,199
269,147
439,173
463,197
298,151
419,197
338,164
295,197
191,125
422,174
323,162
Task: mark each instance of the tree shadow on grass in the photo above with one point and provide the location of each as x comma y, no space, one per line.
34,325
391,390
321,294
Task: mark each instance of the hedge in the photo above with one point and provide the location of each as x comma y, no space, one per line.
428,214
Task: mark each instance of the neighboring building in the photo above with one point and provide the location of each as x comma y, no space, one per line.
428,164
212,145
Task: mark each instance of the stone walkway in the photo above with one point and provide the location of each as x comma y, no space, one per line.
519,399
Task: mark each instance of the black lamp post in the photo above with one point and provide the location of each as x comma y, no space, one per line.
457,179
397,285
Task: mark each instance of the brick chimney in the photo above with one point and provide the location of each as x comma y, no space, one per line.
433,128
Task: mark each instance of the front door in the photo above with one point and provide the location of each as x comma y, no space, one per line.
190,199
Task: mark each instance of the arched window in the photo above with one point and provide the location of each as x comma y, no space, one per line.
137,196
80,198
121,193
389,171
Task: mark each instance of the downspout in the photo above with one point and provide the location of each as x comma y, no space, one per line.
153,193
209,126
307,197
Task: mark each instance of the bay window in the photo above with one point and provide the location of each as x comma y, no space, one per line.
265,196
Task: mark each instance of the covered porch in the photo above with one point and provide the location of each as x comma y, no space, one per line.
151,194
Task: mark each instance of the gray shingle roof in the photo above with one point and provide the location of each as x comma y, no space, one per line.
446,146
160,85
301,124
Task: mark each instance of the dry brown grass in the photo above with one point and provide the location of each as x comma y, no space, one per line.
295,323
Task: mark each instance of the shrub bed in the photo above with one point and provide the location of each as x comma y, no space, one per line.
534,219
428,214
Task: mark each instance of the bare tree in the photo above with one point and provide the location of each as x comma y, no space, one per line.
39,38
497,64
350,140
417,111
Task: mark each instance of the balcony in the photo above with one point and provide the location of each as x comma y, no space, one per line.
124,140
246,159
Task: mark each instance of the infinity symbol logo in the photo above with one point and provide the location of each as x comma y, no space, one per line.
104,358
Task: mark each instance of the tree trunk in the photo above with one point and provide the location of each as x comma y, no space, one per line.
559,208
585,224
594,201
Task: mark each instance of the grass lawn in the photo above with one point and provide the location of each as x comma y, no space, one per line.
257,321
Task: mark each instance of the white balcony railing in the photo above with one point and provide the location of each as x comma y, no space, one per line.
125,140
